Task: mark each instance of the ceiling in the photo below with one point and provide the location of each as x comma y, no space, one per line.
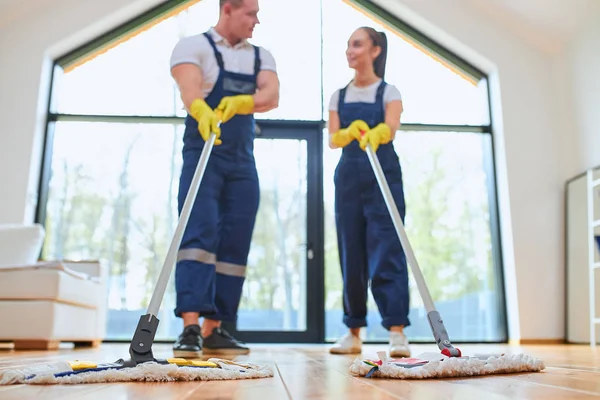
549,22
11,10
554,17
11,7
7,4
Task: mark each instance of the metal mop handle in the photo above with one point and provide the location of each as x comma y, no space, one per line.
165,273
435,320
140,348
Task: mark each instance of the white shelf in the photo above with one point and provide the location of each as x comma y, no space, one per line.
583,224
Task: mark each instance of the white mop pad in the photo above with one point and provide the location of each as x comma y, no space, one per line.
147,372
447,367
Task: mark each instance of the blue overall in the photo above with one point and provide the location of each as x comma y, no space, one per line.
211,263
368,245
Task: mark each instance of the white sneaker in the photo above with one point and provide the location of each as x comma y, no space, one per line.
398,345
347,344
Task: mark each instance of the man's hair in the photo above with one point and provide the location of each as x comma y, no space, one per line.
235,3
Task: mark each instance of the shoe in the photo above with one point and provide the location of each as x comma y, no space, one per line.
221,342
189,343
398,345
347,344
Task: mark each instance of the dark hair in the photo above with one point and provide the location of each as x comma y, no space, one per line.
378,39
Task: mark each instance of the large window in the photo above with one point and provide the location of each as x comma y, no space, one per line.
114,157
445,151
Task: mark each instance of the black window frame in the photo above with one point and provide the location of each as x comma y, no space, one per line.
168,7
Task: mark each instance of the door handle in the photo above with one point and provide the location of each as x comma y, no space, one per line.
310,254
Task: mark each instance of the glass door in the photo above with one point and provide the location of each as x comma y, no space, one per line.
284,282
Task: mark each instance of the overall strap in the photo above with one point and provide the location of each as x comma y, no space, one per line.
380,91
218,55
257,62
341,98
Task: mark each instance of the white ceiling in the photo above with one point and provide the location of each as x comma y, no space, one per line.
560,17
550,23
6,4
9,7
11,10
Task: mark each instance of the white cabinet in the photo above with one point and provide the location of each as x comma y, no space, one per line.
583,258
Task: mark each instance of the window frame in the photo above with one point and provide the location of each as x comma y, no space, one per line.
168,8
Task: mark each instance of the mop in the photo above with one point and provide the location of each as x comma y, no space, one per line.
143,366
451,362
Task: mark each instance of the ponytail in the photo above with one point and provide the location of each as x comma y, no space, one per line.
379,62
379,39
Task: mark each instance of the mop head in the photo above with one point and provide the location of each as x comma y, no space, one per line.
440,366
175,370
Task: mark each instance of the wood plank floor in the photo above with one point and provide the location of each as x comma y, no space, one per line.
310,372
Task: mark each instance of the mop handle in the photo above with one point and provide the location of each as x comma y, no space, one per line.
190,198
393,210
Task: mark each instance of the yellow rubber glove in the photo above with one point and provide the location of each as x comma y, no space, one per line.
208,120
343,137
233,105
381,134
357,127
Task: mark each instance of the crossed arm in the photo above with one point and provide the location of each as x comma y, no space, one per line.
189,80
267,95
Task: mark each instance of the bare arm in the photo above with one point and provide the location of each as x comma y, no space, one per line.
189,80
333,125
267,95
393,111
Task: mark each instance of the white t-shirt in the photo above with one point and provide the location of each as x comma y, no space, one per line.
365,94
197,50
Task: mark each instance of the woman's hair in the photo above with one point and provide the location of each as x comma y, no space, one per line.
378,39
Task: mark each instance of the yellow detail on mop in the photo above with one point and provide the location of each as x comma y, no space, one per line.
182,362
79,365
143,367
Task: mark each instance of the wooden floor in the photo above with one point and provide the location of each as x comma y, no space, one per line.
310,372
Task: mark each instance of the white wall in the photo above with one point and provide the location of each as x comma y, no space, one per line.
547,129
584,66
529,135
27,42
534,147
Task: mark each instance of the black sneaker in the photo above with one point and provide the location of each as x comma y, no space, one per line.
221,342
189,343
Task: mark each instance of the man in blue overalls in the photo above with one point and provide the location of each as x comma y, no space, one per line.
219,72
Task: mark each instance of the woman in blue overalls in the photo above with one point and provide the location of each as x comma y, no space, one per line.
368,110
